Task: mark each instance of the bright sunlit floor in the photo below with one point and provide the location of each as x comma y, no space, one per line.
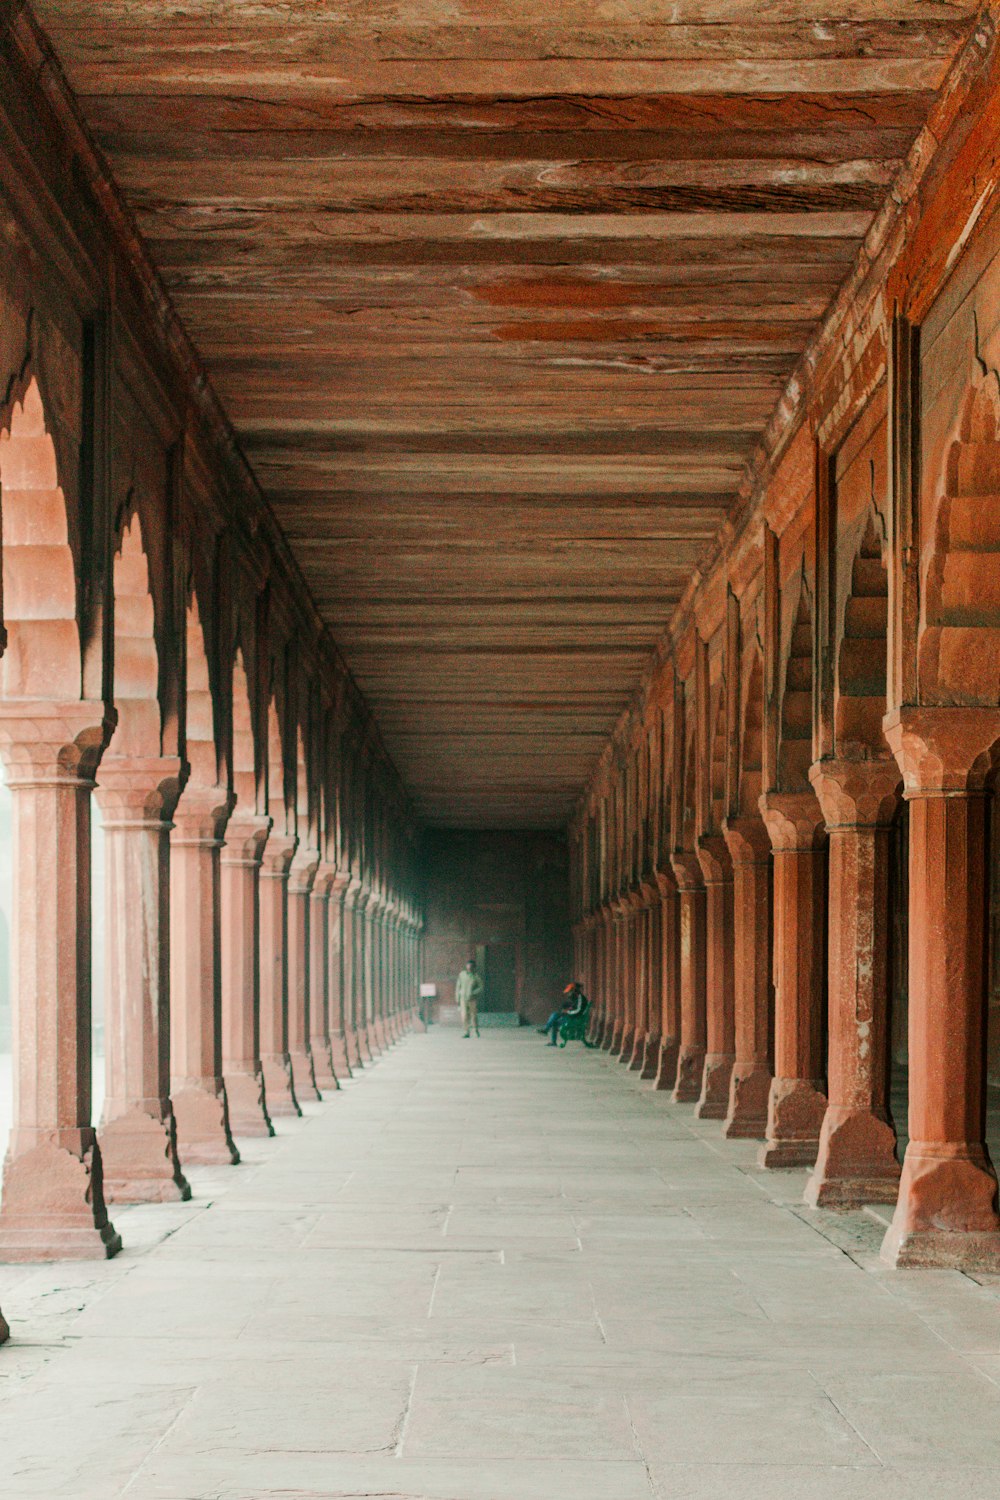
492,1271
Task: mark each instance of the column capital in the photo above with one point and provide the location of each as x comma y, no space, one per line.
944,750
747,841
201,814
687,870
794,820
135,789
715,859
302,870
324,880
279,851
856,793
246,835
45,742
666,882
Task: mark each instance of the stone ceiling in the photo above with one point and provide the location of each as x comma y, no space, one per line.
498,296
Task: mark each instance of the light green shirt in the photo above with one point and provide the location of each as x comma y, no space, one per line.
469,986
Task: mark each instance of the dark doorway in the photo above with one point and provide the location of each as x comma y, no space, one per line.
497,962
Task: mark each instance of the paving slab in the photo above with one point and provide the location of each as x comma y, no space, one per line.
498,1275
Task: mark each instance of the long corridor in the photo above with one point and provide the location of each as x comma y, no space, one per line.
490,1271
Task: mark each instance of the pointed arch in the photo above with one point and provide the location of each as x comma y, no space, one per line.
137,667
795,724
42,659
958,660
202,750
862,659
719,759
244,747
751,778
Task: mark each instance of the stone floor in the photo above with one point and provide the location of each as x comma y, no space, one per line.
490,1271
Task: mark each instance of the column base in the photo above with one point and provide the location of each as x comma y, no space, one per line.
715,1085
795,1113
304,1074
203,1134
354,1059
623,1051
651,1058
324,1071
946,1212
614,1039
749,1091
139,1158
690,1066
666,1073
365,1046
341,1058
53,1204
637,1056
247,1103
279,1088
856,1163
4,1329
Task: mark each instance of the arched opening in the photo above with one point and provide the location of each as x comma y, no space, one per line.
862,659
53,1202
795,745
42,656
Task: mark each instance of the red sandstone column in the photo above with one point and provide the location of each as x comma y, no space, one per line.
604,957
670,963
691,899
138,1132
351,978
377,989
239,869
320,1040
946,1214
621,976
341,1049
301,874
857,1150
720,979
363,976
274,1056
797,1104
641,967
199,1095
630,987
750,1088
52,1206
654,981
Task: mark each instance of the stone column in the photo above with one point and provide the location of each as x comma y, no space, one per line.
350,960
393,949
274,1056
603,928
339,1018
621,975
691,902
320,1039
720,979
138,1132
946,1214
798,1102
640,982
199,1094
376,930
857,1163
630,978
654,982
750,1088
52,1207
239,867
670,987
362,976
301,874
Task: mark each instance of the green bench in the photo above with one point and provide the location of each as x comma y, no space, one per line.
574,1028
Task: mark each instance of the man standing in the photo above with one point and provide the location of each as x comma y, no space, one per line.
467,992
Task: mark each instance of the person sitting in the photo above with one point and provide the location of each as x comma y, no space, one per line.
574,1005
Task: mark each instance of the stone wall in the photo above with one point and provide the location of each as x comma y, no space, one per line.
497,887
